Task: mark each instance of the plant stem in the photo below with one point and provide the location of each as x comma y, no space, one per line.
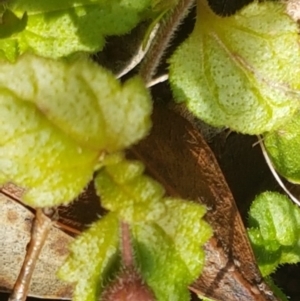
39,232
163,37
126,248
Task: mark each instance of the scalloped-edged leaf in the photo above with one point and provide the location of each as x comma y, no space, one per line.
57,117
274,232
183,223
162,268
168,250
168,263
167,243
239,71
124,189
266,260
59,28
83,99
91,254
283,147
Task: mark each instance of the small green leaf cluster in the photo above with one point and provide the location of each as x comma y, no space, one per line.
58,119
274,231
63,120
167,235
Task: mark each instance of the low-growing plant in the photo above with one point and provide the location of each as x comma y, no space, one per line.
65,120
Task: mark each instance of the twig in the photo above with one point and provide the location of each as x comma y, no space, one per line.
163,37
40,229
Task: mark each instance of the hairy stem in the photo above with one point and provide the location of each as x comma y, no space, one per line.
163,37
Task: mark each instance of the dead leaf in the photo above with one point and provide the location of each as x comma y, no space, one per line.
15,221
177,156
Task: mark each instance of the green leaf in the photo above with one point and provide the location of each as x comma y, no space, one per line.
57,118
124,189
90,258
283,147
163,228
184,224
83,99
62,27
163,269
39,157
274,232
167,244
239,71
169,250
267,260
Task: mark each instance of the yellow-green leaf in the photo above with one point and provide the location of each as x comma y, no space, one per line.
91,255
240,71
56,28
283,147
57,118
